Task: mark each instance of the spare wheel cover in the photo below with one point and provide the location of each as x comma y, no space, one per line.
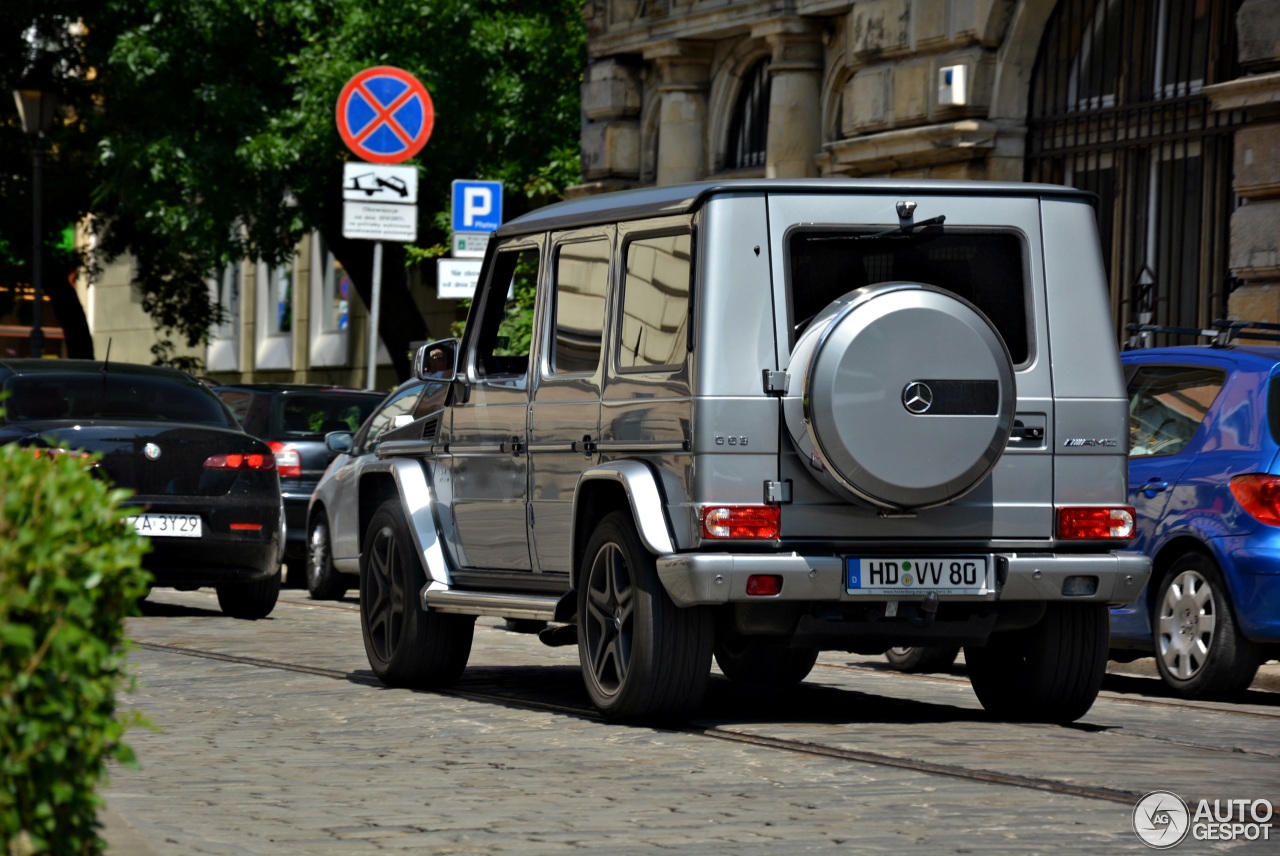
909,394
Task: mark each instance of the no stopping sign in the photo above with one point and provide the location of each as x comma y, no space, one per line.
385,115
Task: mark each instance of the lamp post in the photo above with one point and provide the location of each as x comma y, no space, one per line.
36,106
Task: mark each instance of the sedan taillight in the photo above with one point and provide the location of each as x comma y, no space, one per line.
238,461
288,460
1258,494
1089,522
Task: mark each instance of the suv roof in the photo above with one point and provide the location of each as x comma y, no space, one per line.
683,198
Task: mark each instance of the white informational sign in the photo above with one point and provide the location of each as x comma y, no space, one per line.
373,182
377,222
470,245
457,278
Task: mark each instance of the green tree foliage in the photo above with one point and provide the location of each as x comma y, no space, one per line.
210,126
69,574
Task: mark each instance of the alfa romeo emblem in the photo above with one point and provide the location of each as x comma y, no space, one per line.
917,397
152,451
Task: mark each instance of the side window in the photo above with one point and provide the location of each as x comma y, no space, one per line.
238,402
399,403
655,304
1167,405
582,281
506,325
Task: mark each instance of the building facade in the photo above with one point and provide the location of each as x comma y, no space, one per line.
299,322
1169,110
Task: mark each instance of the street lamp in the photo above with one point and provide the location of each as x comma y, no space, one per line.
36,106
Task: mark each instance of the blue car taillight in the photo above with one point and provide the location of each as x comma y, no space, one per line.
1259,495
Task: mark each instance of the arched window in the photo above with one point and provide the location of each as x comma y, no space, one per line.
1116,107
749,126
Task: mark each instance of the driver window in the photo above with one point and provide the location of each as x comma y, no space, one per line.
398,403
1167,405
506,321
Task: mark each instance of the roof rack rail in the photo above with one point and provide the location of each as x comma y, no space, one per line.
1223,332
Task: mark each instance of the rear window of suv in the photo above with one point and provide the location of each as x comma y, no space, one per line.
984,267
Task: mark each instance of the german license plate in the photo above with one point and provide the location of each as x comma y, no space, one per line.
168,525
902,576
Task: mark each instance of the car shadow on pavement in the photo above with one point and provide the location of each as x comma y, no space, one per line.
815,703
155,609
560,689
1156,688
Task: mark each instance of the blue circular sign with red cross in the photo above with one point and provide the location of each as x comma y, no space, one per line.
385,115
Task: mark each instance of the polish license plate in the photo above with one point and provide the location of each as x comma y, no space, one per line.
168,525
902,576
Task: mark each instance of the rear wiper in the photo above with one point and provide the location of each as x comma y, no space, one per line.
904,229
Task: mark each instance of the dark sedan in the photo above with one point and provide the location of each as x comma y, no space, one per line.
206,493
293,419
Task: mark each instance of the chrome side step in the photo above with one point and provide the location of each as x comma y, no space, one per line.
541,607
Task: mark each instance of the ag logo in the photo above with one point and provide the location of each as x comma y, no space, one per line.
152,451
1161,819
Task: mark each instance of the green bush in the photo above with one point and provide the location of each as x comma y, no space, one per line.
69,575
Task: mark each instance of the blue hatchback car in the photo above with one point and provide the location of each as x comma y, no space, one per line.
1204,476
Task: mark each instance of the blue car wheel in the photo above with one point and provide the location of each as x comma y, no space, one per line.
1199,649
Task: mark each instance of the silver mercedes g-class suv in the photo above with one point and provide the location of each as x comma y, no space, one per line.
754,420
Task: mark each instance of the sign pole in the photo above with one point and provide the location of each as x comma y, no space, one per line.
385,116
375,310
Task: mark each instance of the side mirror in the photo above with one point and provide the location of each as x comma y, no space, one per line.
339,441
437,361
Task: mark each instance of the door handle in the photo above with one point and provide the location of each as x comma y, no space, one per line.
1153,487
587,446
515,446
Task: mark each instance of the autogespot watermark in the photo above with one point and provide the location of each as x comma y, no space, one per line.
1162,819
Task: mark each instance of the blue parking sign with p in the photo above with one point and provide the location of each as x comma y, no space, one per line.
477,205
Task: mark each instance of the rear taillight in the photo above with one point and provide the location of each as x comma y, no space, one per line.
288,460
1259,495
758,522
1091,522
237,461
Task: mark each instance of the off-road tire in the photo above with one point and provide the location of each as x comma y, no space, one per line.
406,646
1049,672
643,658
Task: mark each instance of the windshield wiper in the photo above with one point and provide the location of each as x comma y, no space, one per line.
904,229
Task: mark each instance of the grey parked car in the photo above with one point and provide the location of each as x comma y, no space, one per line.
332,527
293,418
754,420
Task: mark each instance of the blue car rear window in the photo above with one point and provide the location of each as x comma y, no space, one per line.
105,396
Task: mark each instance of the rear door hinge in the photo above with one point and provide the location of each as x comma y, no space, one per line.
777,492
776,382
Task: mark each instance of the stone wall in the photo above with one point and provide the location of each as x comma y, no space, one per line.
1255,224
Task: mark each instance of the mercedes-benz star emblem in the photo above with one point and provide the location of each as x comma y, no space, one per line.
152,451
917,397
